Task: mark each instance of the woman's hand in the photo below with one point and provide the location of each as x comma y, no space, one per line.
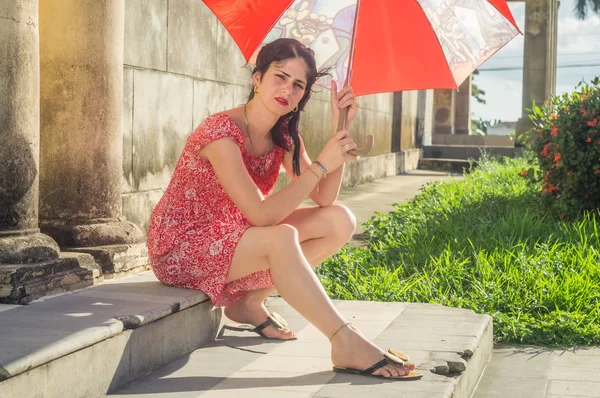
335,152
345,98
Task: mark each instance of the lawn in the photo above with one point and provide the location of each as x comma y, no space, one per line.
484,242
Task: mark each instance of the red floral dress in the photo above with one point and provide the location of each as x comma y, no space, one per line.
195,227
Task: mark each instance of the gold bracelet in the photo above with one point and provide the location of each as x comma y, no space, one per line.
315,173
318,179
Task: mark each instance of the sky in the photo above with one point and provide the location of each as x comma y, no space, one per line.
578,43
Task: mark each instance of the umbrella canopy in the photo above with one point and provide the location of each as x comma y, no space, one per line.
377,45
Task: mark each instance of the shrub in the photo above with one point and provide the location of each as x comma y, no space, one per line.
566,140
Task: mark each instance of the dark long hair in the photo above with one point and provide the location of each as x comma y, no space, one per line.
278,51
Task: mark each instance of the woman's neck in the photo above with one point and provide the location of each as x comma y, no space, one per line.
260,119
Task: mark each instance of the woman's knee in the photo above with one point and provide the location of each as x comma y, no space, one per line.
285,236
343,221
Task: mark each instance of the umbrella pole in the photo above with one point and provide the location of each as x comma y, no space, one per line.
365,149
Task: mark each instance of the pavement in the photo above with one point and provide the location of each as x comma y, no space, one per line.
380,195
244,365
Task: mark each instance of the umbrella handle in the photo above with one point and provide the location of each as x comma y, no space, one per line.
365,149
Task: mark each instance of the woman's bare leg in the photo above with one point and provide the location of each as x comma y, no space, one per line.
322,231
278,248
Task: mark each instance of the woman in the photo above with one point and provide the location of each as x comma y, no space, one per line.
216,230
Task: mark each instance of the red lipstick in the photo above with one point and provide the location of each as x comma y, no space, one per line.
282,101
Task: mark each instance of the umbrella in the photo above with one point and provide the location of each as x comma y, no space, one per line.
377,45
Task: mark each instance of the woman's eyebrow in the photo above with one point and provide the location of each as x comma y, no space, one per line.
288,75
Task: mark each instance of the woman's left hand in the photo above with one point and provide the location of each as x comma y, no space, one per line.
345,98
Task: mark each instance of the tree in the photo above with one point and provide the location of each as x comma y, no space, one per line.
476,92
581,8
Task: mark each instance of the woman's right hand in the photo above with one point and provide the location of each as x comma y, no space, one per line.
335,152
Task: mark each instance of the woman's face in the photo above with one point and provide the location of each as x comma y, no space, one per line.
283,85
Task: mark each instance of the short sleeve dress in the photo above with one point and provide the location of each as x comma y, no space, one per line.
195,227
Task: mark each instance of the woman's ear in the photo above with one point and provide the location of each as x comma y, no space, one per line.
256,77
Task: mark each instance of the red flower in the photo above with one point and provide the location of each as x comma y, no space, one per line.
597,171
557,157
583,111
545,150
589,139
593,123
554,116
554,132
569,174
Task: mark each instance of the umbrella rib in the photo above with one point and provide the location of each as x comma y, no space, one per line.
353,45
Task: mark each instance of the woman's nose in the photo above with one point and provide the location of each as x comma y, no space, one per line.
288,87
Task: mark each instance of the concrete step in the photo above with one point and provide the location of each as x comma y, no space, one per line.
243,365
92,341
541,372
466,152
454,166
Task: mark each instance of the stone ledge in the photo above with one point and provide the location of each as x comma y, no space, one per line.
35,335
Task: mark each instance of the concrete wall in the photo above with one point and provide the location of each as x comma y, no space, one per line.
181,66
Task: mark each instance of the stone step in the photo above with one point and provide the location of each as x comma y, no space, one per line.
466,152
241,364
89,342
454,166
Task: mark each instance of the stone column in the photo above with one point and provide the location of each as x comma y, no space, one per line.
539,62
20,238
444,114
31,264
81,109
462,110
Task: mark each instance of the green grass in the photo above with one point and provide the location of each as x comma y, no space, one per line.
482,243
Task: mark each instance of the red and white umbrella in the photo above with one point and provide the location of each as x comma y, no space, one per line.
377,45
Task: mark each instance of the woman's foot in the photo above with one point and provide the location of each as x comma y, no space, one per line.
350,349
255,313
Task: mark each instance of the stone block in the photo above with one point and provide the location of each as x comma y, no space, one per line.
127,130
31,384
196,326
163,110
77,365
119,260
111,363
231,65
146,34
146,347
26,282
138,206
192,39
212,97
377,124
315,126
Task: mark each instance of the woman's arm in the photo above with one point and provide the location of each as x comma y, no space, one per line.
329,188
226,159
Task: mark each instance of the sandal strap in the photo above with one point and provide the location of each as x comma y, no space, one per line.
272,320
373,368
389,359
